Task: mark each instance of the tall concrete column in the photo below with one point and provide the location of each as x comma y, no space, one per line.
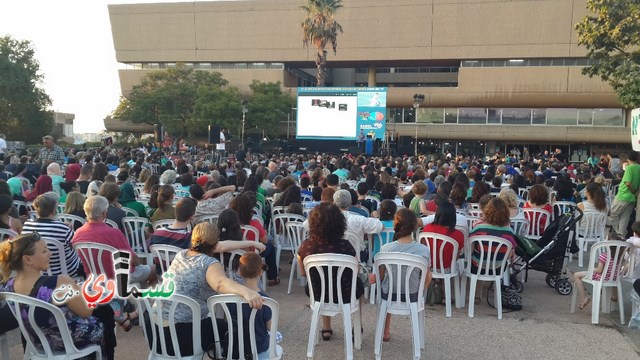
372,75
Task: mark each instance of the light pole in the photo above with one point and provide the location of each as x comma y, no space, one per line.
418,99
245,110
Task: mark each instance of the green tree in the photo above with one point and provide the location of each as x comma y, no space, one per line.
320,28
170,97
23,103
268,106
218,106
612,38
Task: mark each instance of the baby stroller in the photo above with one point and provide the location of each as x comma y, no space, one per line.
549,254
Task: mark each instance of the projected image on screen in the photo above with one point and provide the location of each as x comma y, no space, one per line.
340,113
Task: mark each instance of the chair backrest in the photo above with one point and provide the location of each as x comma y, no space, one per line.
71,219
93,254
470,221
6,234
27,306
437,243
562,207
57,248
159,345
32,214
227,302
385,236
206,218
592,226
130,212
520,227
111,223
323,265
165,223
228,258
355,241
491,255
524,193
374,200
60,208
398,268
21,206
165,254
473,206
539,220
474,213
296,234
279,222
248,229
306,197
614,252
134,230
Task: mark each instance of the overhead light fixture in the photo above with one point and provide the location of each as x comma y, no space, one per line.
516,60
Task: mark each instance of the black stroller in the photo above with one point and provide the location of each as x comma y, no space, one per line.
550,253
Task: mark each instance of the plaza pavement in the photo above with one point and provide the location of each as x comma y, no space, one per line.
544,329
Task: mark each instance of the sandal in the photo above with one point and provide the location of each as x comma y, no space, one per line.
274,282
324,333
584,303
128,320
386,337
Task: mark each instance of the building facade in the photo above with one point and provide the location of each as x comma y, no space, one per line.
494,74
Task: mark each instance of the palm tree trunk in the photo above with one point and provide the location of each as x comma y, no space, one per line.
321,65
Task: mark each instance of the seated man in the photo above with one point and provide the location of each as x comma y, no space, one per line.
96,231
357,224
178,233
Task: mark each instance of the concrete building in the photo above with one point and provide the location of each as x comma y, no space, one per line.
494,74
63,126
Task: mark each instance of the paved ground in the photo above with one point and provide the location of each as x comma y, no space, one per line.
543,330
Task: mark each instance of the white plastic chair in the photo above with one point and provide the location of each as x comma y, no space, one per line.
111,223
296,234
71,219
213,219
385,236
520,227
536,218
7,234
280,233
130,212
355,241
323,264
21,206
398,269
614,259
224,303
562,207
165,254
374,200
158,323
431,240
19,303
60,208
134,227
56,247
166,223
591,229
523,193
306,197
474,213
91,255
490,268
248,229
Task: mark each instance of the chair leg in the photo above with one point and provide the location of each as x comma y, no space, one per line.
278,252
357,317
423,335
574,296
313,330
294,265
415,327
605,307
498,294
581,254
463,290
348,340
472,294
382,314
620,303
595,304
456,290
447,295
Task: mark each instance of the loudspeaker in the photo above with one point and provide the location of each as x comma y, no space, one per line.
214,134
158,132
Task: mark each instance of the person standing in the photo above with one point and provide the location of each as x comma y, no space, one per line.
50,152
220,146
361,138
622,205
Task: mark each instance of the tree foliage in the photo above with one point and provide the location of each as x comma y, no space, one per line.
23,103
320,29
268,107
612,38
169,97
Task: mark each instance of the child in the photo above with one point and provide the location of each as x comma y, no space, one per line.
635,241
602,260
250,269
404,224
387,212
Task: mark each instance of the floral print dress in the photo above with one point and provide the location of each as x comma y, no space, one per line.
84,332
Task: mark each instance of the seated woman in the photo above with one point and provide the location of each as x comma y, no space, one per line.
495,222
326,235
595,203
404,224
199,276
127,199
444,223
539,199
511,199
6,221
28,256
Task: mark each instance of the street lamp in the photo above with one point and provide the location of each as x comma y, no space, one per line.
418,99
245,110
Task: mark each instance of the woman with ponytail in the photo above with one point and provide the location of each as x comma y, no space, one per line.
165,204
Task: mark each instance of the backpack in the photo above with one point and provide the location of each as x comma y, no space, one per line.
435,294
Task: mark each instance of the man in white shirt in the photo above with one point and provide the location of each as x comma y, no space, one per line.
357,224
220,147
3,146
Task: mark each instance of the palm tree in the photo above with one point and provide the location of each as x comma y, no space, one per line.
320,28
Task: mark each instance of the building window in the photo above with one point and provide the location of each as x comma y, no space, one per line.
539,116
494,116
585,116
516,116
450,116
562,116
608,117
472,116
433,116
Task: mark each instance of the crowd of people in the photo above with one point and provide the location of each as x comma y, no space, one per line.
343,198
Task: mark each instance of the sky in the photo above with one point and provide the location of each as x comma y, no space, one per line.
73,44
